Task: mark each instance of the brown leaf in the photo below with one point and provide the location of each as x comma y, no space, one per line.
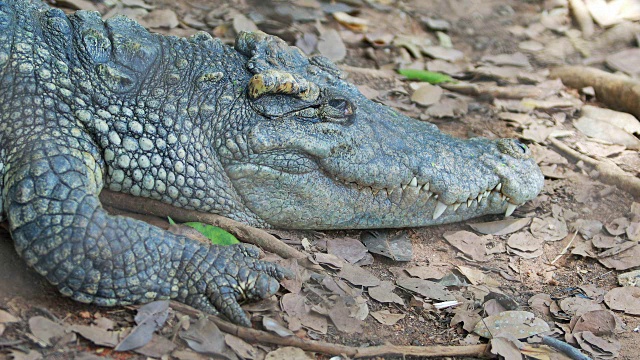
524,241
158,347
477,277
384,293
45,330
625,299
472,245
288,353
617,226
507,348
275,327
622,260
521,324
549,229
599,322
97,335
427,94
241,347
149,318
576,306
340,315
425,272
349,249
392,244
351,22
243,23
600,348
331,46
205,337
294,305
501,227
426,288
160,18
358,276
385,317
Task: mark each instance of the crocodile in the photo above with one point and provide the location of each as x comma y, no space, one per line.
257,132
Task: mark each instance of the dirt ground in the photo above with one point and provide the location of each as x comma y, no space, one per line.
477,29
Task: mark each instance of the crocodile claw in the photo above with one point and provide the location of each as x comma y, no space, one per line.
231,274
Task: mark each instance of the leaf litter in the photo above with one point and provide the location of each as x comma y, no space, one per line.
499,77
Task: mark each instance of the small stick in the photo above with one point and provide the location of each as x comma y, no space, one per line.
583,18
609,172
618,92
253,335
243,232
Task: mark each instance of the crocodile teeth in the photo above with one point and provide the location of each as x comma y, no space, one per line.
469,202
456,206
375,191
440,208
498,187
414,182
425,187
480,197
404,186
486,194
390,191
510,209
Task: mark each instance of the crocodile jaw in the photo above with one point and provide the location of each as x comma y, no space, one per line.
379,172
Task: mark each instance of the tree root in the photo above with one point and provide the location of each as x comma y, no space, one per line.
618,92
608,172
253,335
243,232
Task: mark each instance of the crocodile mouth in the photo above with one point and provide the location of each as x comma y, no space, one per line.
421,193
410,194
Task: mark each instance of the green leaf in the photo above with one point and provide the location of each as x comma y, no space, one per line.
217,235
171,222
426,76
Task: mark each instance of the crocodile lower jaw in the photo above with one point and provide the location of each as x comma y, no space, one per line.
422,193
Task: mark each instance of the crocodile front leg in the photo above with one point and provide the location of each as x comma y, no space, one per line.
61,229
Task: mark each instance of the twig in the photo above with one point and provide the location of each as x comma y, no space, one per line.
566,248
243,232
609,172
583,18
253,335
616,91
564,348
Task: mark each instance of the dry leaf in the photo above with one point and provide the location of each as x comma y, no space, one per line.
331,46
350,249
470,244
501,227
358,276
426,288
384,293
392,244
625,299
427,94
288,353
549,229
385,317
160,18
520,324
351,22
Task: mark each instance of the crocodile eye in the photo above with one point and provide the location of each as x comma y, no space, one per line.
337,110
522,147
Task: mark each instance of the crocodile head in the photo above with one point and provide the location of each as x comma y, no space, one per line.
322,156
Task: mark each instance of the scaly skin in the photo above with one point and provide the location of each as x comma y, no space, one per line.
259,133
